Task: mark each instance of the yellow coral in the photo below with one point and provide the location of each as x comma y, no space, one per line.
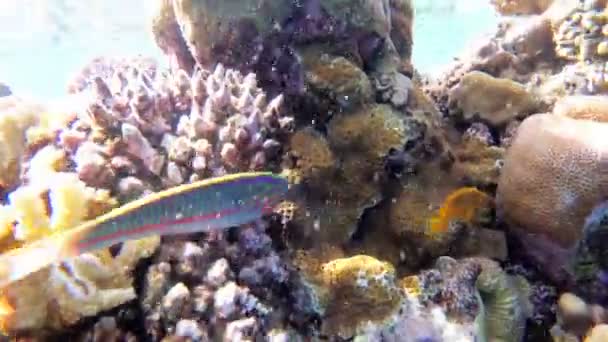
16,116
55,116
411,285
461,205
312,152
68,200
478,161
53,200
46,161
598,333
60,295
351,292
7,220
373,130
31,213
497,101
362,291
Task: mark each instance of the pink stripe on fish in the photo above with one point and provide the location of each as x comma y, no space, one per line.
263,206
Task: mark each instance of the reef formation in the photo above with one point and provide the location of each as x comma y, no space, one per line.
468,207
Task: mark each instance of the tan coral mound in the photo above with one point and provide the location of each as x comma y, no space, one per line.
495,100
594,108
511,7
555,172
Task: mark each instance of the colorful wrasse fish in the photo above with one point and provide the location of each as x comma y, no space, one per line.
215,203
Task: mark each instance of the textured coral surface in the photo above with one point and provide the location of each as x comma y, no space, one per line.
561,163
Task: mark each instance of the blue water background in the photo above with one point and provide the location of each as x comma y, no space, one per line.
43,42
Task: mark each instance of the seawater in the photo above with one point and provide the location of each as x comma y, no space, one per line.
43,42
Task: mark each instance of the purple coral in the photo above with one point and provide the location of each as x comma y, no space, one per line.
452,285
148,123
231,283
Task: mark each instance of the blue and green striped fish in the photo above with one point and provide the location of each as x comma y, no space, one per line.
206,205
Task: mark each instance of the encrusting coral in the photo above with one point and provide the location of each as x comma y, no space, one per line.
362,286
583,107
511,7
492,100
361,297
582,38
344,171
268,38
478,159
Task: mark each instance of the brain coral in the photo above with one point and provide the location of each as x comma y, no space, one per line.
555,172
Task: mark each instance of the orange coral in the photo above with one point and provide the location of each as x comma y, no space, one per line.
461,205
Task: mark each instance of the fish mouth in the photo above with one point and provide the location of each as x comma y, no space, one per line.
268,204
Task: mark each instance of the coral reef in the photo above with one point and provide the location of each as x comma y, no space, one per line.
83,286
222,287
269,39
362,286
511,7
571,151
137,129
450,209
361,296
594,108
477,94
347,170
478,159
175,127
589,262
577,319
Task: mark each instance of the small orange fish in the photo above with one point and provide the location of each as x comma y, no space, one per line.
461,205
